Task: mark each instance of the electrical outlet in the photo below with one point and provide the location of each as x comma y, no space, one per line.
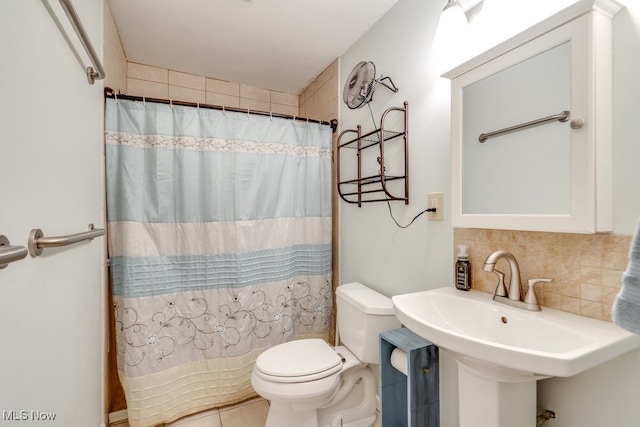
435,200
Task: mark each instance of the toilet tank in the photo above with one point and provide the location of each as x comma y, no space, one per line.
362,314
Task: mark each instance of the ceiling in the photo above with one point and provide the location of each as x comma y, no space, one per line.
273,44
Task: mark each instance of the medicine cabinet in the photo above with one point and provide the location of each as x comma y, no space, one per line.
531,127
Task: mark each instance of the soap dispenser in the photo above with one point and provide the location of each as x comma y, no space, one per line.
463,270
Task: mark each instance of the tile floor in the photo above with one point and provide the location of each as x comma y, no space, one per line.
251,413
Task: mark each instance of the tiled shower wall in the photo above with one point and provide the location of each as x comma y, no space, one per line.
115,62
319,101
586,268
155,82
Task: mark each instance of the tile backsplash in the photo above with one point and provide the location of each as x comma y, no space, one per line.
586,268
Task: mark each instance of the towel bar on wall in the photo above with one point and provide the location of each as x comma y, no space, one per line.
95,72
37,241
562,117
9,254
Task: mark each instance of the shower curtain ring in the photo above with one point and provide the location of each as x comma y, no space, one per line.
144,101
115,95
171,103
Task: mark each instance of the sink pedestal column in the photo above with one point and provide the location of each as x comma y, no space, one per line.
493,396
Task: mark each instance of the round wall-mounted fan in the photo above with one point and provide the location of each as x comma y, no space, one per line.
361,83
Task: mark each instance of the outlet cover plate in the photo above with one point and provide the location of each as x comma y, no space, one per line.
435,200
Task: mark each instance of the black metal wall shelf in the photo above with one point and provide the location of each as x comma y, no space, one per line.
352,190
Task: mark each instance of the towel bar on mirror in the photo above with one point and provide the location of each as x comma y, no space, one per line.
37,241
562,117
9,254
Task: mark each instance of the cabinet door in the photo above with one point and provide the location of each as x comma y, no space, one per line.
550,177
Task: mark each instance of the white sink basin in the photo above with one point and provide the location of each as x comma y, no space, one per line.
546,343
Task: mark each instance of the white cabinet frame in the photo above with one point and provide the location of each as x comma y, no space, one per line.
587,26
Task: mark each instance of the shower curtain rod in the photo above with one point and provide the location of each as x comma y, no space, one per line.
110,93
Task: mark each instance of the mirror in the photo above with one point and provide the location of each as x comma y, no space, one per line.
495,171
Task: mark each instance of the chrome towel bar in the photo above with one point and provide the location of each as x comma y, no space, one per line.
8,253
37,241
95,72
562,117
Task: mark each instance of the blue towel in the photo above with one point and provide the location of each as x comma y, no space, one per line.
626,308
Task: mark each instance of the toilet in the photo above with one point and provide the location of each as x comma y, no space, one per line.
311,384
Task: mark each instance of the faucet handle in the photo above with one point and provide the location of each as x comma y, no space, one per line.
501,289
531,297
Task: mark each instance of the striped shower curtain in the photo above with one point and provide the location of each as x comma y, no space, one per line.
220,247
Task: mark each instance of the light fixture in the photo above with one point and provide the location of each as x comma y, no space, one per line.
452,28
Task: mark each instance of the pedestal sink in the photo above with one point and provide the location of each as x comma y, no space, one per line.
502,351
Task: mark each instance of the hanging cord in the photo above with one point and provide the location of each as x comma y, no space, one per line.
375,125
428,210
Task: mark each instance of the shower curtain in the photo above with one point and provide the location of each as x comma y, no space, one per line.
220,247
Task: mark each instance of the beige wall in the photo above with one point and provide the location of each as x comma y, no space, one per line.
115,62
586,268
155,82
319,100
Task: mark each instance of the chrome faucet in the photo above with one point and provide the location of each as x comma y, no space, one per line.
513,295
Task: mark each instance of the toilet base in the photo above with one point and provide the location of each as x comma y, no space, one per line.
353,405
365,422
280,415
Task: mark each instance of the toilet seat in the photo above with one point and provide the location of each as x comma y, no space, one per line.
298,361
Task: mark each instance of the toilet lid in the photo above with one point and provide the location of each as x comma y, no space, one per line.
302,358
